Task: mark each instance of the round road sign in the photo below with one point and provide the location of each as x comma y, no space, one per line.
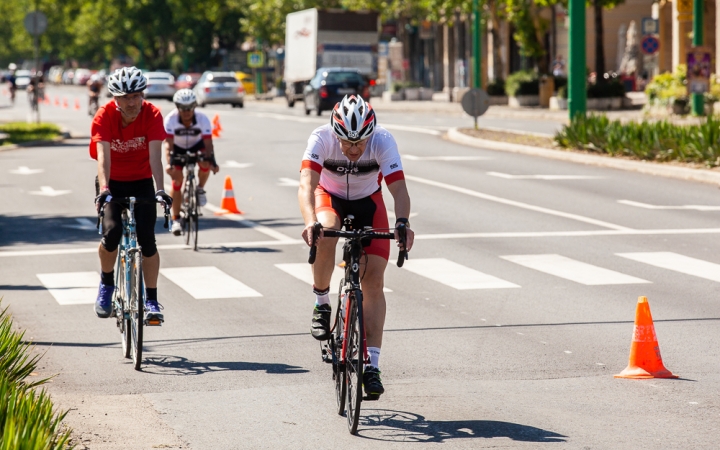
650,45
36,23
475,102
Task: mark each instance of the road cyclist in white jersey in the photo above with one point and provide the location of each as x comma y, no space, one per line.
342,168
187,129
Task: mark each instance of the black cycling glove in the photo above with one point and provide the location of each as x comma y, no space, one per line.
101,199
161,196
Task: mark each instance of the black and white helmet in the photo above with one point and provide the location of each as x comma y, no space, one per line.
353,119
185,97
126,80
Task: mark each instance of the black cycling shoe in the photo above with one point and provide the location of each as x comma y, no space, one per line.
372,384
320,328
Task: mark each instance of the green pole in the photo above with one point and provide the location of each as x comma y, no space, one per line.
477,79
258,74
697,99
577,89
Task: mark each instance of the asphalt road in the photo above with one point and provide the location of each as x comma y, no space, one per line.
504,330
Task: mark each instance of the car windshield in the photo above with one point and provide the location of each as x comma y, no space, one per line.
158,77
223,79
343,77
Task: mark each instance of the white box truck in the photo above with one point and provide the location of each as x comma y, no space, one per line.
328,38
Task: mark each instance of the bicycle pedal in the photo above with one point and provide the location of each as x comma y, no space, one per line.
371,397
153,322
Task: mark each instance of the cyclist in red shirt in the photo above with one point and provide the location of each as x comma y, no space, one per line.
126,140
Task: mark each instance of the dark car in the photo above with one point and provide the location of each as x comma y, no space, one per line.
187,80
330,85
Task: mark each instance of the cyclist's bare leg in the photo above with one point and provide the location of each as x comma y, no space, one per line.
325,259
374,299
177,180
204,173
107,259
151,268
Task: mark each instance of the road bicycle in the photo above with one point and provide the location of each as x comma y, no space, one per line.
129,296
346,348
189,208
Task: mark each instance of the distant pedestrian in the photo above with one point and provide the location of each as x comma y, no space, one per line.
558,66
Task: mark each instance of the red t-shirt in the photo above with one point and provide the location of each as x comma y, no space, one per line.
129,151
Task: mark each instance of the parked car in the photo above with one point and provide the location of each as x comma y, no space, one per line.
247,82
55,74
67,76
81,77
187,80
219,87
22,78
330,85
160,85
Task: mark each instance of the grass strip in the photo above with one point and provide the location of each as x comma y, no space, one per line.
28,420
19,132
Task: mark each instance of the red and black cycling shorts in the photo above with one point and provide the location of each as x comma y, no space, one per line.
179,157
368,212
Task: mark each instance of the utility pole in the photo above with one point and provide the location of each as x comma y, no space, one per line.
477,79
577,84
697,99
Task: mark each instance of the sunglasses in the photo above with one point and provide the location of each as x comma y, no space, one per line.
185,108
347,145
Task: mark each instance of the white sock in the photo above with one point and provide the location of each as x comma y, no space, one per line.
374,356
322,297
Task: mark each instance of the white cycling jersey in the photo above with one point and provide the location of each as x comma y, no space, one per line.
187,137
353,180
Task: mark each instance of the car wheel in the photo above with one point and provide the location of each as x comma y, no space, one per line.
291,103
307,111
318,110
241,105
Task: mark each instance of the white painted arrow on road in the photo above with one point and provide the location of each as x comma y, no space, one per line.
288,182
49,192
445,158
82,224
686,207
236,165
508,176
24,170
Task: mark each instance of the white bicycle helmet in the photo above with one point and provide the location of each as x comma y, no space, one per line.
353,119
185,97
126,80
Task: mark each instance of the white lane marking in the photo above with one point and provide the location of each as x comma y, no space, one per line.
267,231
303,272
508,176
684,207
455,275
318,121
236,165
588,233
390,126
573,270
24,170
288,182
82,224
391,215
517,204
49,192
678,263
445,158
208,282
73,288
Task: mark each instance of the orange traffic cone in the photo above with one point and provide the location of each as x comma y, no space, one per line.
77,105
645,360
217,128
57,101
227,204
65,103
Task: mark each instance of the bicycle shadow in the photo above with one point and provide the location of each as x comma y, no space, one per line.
179,366
401,426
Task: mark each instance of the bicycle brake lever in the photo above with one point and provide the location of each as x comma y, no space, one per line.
403,255
313,250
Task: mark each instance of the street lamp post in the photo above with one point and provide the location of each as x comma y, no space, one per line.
697,99
477,79
577,89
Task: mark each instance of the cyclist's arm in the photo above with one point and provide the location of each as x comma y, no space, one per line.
398,190
209,147
156,164
309,180
168,145
103,159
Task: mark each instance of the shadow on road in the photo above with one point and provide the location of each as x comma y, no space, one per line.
399,426
224,249
20,287
176,365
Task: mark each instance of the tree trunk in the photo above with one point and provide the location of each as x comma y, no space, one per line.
498,69
599,47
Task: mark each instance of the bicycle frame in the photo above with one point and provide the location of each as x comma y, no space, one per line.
128,247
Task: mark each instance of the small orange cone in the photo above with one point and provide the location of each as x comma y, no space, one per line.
65,103
645,360
77,105
227,204
57,101
217,128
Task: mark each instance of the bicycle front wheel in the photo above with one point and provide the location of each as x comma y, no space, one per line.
122,305
336,342
137,309
354,360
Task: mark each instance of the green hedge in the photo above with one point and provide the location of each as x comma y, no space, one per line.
496,88
607,89
653,141
524,82
25,132
28,420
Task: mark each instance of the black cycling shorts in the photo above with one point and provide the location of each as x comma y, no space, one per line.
145,215
179,157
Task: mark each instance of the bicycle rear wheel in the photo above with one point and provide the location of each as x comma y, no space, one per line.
338,366
137,309
354,360
121,302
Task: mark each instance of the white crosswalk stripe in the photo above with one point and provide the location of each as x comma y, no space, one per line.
303,272
678,263
455,275
73,288
208,282
573,270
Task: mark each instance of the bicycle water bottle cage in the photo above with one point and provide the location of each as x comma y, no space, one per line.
348,222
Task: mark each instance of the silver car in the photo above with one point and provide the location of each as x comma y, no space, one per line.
160,85
219,87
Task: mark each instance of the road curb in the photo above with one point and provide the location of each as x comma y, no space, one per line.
646,167
64,135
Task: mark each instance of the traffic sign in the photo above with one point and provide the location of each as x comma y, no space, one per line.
650,26
35,23
475,102
255,59
650,45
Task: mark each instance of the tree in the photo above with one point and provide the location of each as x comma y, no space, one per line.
598,6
